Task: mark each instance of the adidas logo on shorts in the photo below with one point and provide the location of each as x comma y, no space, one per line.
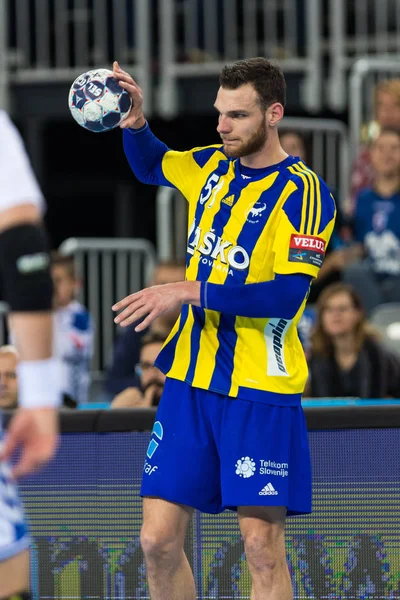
268,490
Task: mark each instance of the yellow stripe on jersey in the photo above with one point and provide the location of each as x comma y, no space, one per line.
182,349
314,212
182,170
304,207
208,347
318,198
311,194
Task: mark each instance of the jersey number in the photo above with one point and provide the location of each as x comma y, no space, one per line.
211,188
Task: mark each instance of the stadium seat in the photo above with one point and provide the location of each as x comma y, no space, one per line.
386,318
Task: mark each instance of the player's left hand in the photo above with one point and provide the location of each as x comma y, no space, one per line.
154,301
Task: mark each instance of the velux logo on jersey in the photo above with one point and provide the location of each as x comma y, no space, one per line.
307,249
212,247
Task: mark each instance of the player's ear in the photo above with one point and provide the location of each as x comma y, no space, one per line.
274,114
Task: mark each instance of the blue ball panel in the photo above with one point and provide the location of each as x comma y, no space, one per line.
111,119
79,98
95,126
113,85
124,102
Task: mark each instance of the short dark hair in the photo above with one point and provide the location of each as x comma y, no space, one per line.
152,338
267,79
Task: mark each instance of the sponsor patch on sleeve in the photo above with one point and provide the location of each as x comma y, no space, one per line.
307,249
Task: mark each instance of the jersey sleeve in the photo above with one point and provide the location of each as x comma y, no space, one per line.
17,180
182,169
154,163
305,226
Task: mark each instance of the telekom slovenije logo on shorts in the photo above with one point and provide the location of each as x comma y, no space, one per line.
245,467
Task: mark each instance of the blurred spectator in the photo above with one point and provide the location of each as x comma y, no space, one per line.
73,330
9,380
151,379
386,115
342,251
305,328
121,375
347,358
377,227
294,144
8,377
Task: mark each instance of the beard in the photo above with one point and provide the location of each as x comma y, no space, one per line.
253,145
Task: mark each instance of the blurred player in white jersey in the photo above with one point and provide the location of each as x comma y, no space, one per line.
26,287
73,330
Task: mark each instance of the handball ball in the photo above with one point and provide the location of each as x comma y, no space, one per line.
97,101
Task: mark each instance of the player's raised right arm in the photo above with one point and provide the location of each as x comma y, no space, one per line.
143,149
150,159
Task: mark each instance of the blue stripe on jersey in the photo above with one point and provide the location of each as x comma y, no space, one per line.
203,156
328,208
224,358
161,360
220,220
294,216
247,238
222,169
198,324
203,273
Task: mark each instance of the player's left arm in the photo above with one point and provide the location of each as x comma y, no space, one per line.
305,226
281,297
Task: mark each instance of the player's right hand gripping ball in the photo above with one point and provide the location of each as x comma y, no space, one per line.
97,101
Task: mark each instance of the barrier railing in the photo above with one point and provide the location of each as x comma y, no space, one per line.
329,158
197,39
58,40
42,41
85,511
109,270
357,29
364,75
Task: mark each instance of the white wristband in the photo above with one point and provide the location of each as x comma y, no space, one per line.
39,383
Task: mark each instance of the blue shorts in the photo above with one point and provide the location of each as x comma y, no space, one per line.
213,452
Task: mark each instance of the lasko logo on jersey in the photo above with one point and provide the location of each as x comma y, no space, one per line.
213,246
307,249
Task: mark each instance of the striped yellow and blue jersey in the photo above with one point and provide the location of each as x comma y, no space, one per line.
245,226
